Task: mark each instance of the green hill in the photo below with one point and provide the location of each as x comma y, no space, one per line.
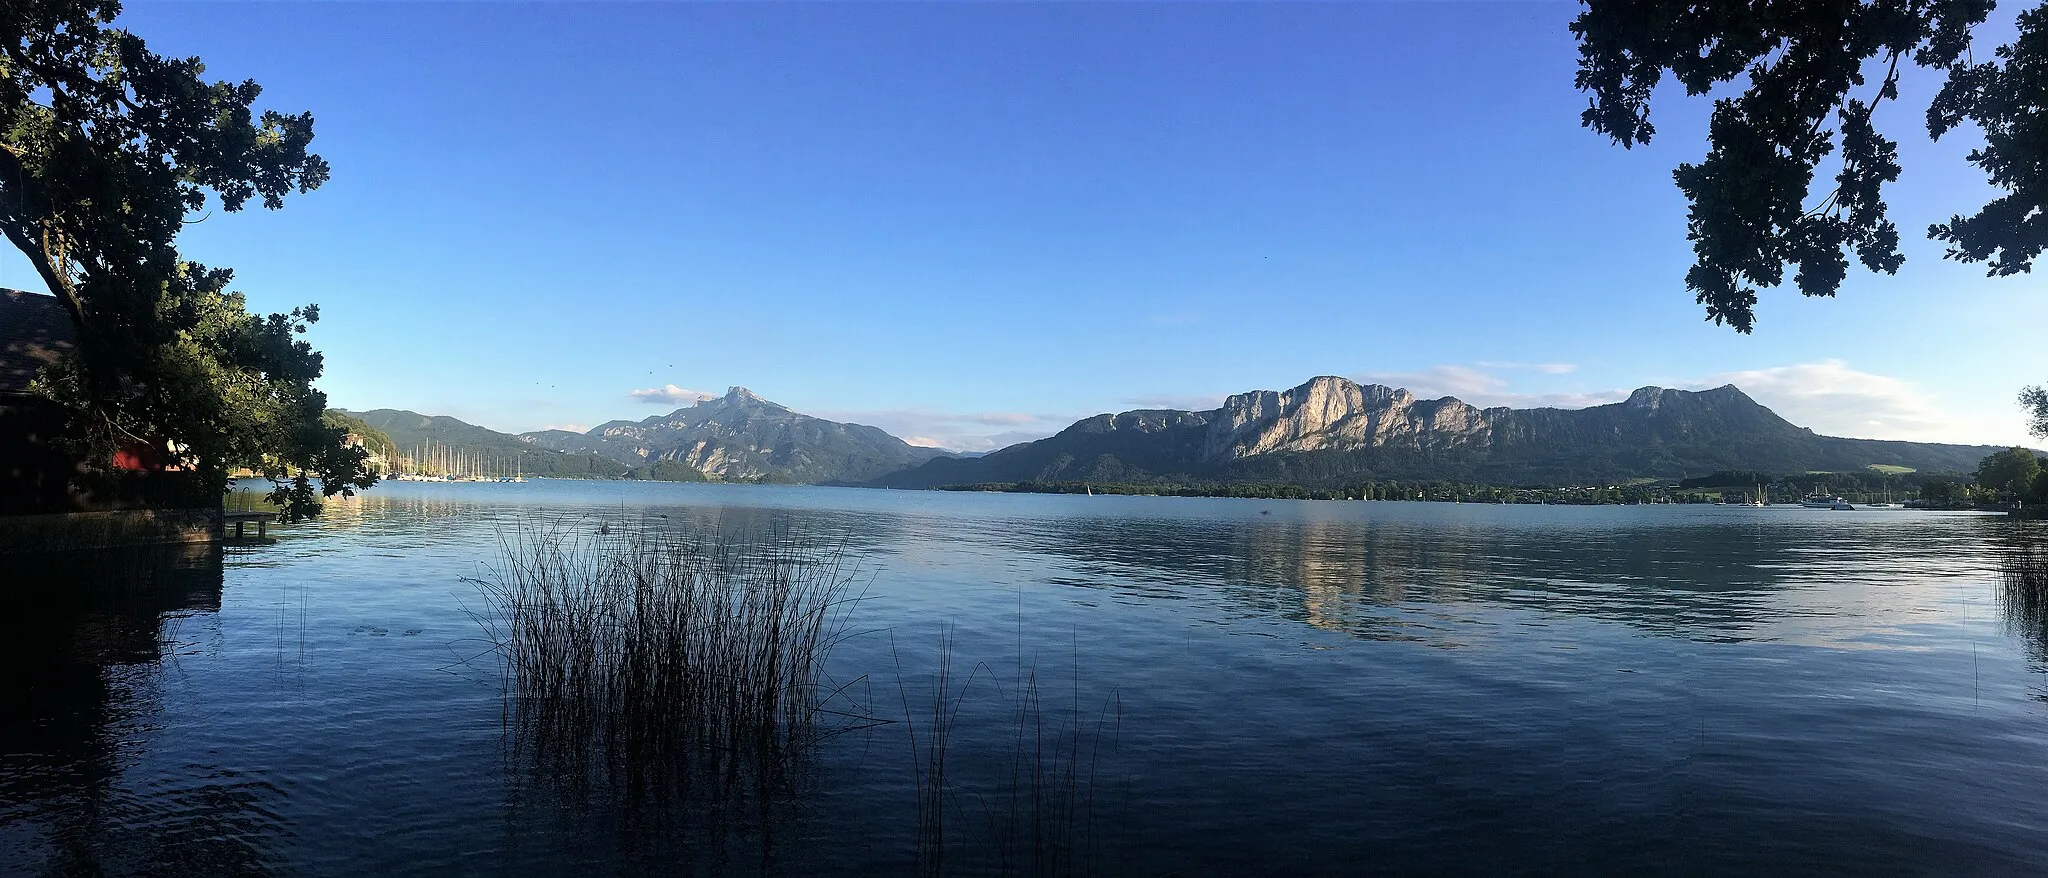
373,439
410,432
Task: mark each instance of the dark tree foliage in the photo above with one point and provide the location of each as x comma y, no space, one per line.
374,440
1739,478
2035,401
666,471
1807,65
2011,471
2008,100
106,151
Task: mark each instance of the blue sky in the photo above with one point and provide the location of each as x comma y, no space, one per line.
971,224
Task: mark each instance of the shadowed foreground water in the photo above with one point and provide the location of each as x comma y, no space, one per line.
1224,686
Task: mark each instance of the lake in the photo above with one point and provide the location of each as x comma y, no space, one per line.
1138,686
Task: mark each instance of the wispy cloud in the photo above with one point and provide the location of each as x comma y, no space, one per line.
1545,368
1837,400
1008,438
1458,381
957,431
1196,402
572,428
1477,386
669,395
1002,419
1829,396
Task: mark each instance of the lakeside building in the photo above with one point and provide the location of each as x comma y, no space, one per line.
49,500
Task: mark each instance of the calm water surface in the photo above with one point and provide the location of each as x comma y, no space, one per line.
1263,686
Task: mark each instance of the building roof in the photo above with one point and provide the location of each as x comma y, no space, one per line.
35,330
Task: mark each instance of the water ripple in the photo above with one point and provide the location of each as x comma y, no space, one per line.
1276,687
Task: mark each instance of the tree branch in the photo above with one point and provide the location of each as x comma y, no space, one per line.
59,285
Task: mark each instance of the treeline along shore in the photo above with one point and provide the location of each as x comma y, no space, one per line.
1326,439
1931,490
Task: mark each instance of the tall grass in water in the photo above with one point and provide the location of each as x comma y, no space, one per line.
1033,809
1046,822
665,664
928,754
2023,575
682,678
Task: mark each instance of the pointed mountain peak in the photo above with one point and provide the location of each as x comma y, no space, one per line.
1730,390
737,395
1655,397
1647,397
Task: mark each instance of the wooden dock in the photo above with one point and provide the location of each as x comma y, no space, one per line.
241,520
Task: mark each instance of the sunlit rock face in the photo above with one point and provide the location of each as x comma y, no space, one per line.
1141,421
1331,431
631,438
1652,398
1330,413
708,457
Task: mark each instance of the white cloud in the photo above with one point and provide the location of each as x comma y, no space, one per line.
573,428
1545,368
957,431
1002,419
1828,396
1837,400
1180,402
1012,437
1487,390
1459,381
669,395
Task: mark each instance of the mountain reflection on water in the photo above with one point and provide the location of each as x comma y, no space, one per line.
1264,687
1730,578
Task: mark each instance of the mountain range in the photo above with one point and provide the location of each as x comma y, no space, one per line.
1326,430
742,437
1332,429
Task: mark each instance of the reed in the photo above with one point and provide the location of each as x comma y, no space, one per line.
1043,820
662,662
928,755
681,675
1031,789
2023,577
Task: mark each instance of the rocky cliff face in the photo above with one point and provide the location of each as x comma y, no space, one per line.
742,437
1331,428
1330,413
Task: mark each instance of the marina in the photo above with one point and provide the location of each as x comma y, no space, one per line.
441,463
